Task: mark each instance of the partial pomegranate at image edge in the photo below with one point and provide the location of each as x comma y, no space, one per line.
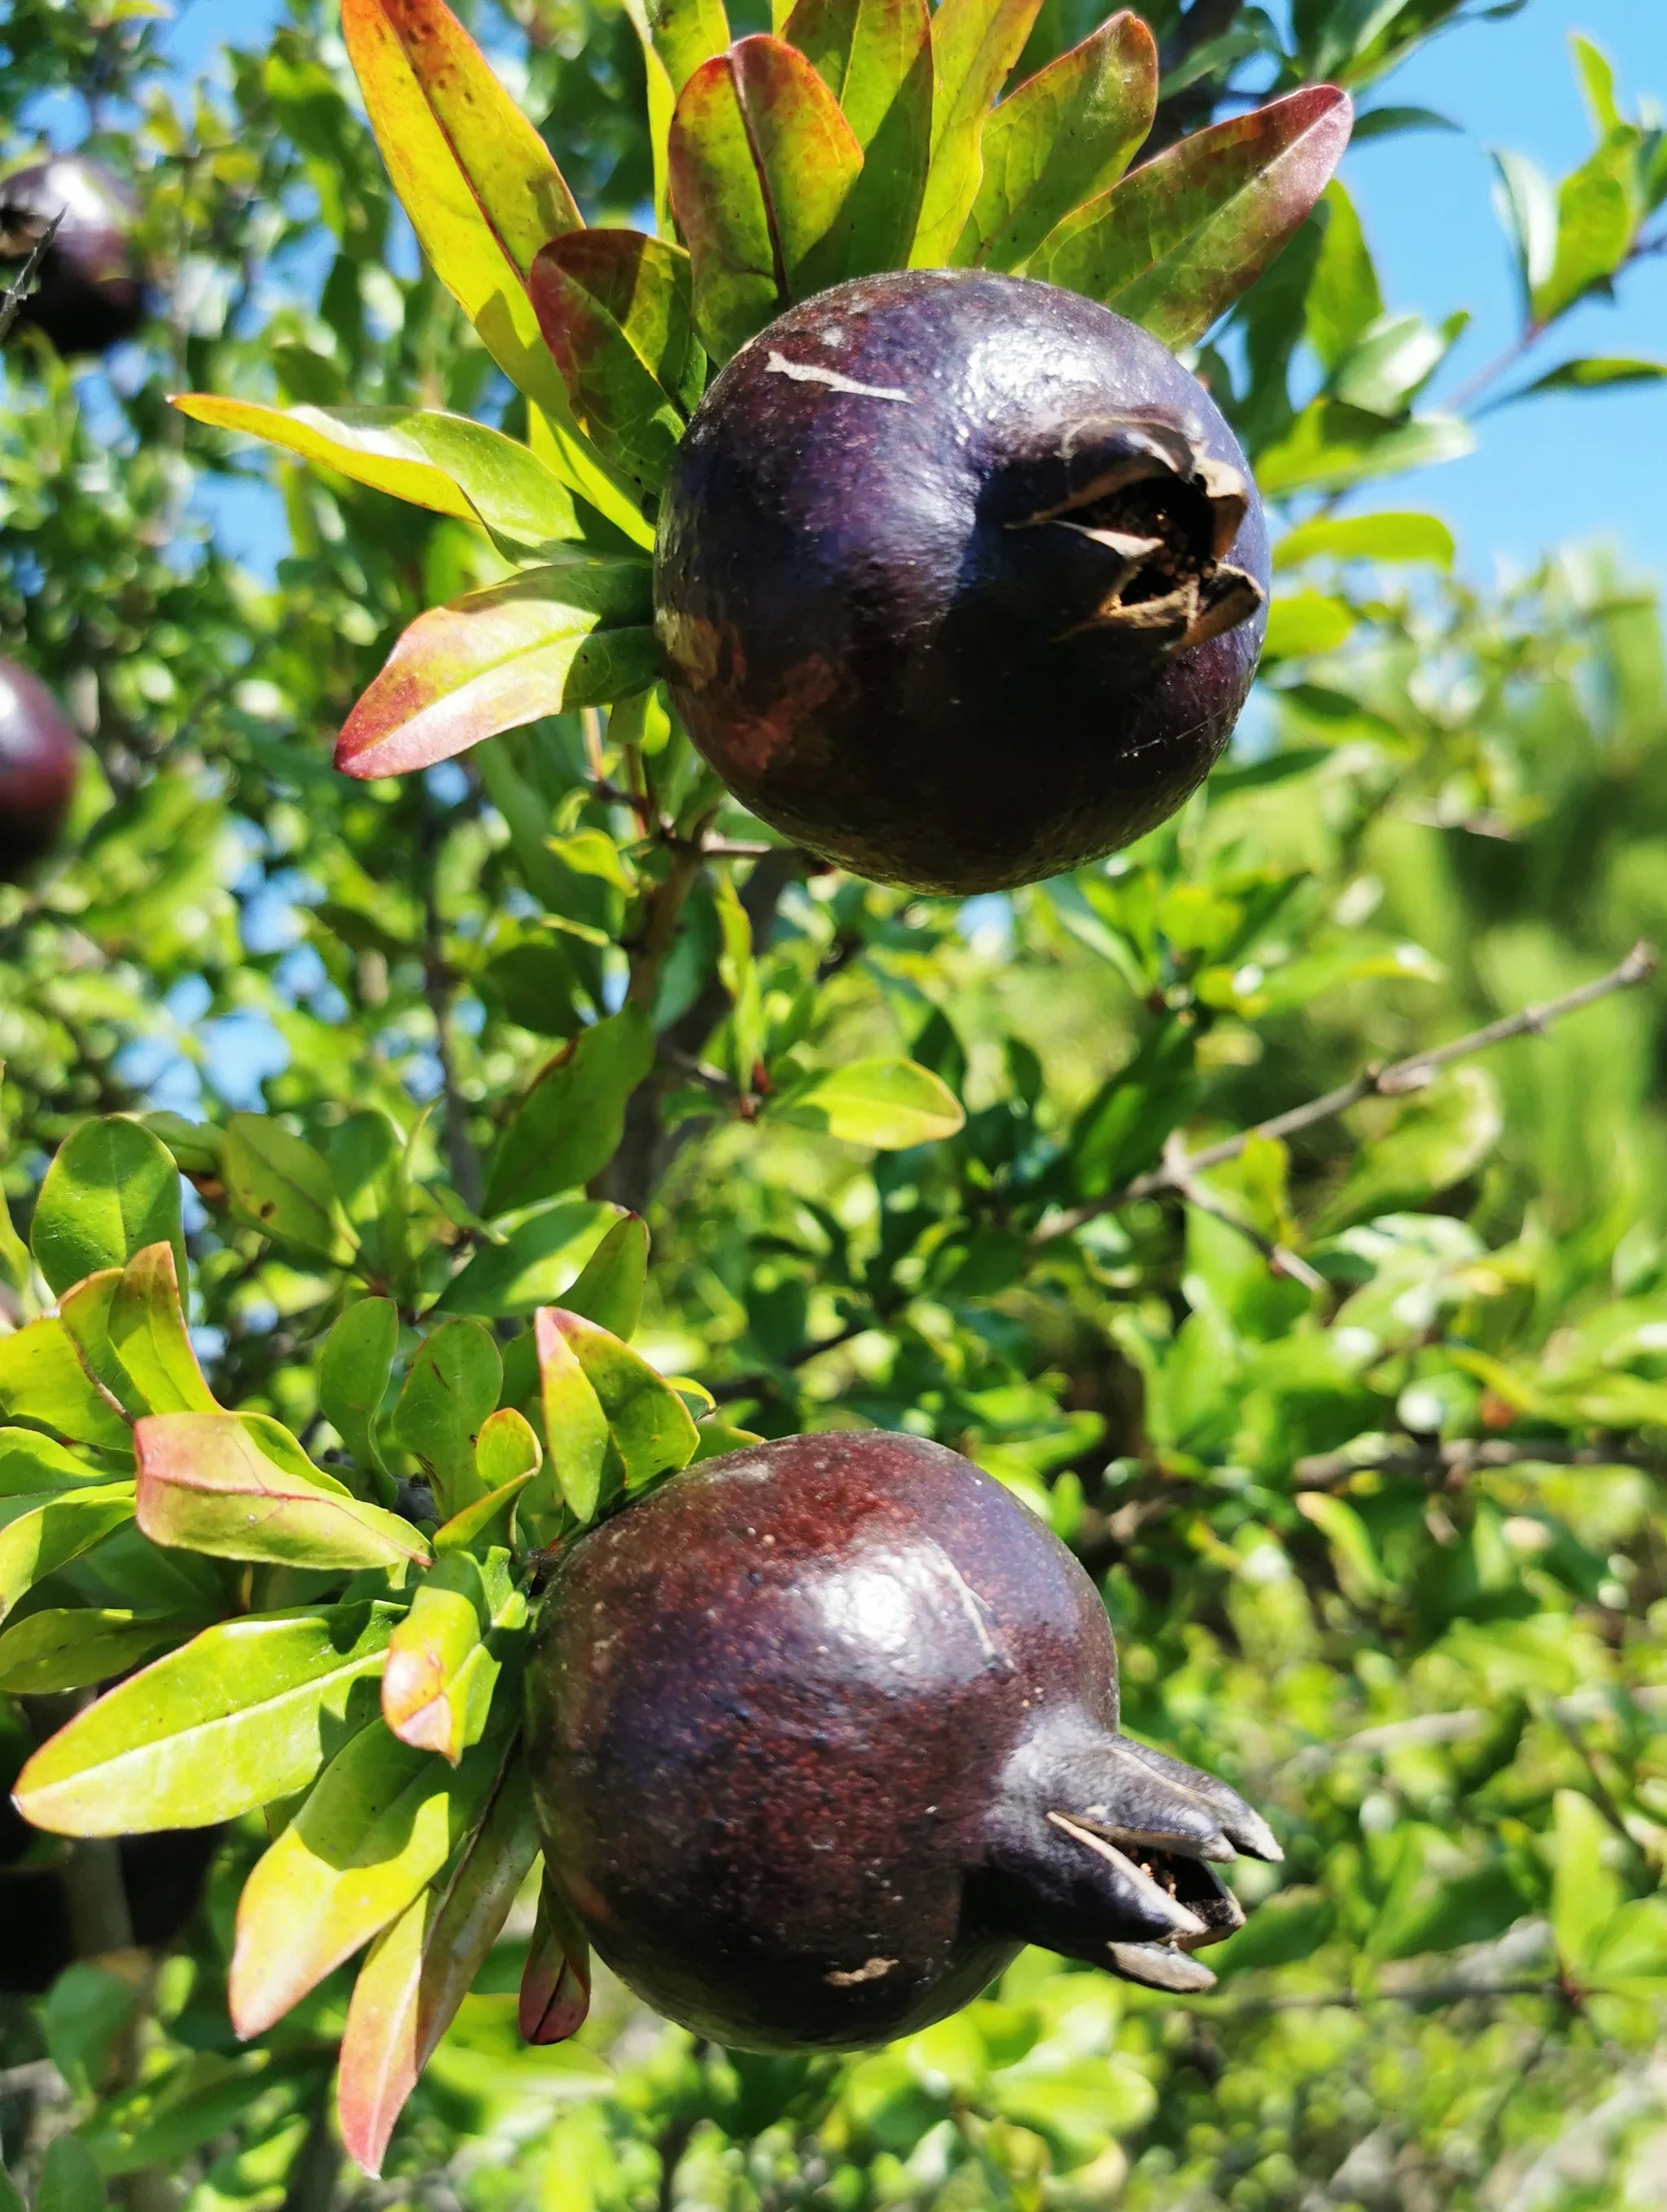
961,579
90,291
823,1732
39,760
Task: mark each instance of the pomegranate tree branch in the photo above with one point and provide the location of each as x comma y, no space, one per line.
1452,1462
1400,1076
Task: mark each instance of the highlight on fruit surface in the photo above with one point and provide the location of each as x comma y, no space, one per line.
961,579
822,1732
89,291
955,573
39,760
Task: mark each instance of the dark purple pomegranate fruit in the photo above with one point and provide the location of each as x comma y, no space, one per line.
823,1732
37,764
90,291
961,579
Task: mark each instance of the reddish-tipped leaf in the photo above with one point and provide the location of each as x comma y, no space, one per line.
875,58
547,641
1177,241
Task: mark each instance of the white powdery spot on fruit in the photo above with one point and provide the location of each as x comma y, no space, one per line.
810,372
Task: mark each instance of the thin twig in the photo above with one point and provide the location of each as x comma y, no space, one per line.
1450,1992
1400,1077
1282,1260
1454,1461
15,294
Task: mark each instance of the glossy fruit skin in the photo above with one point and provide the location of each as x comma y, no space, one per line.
91,292
861,634
795,1724
39,761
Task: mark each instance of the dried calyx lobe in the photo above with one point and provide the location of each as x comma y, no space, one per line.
823,1732
961,579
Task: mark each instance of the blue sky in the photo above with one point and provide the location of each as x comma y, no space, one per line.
1553,470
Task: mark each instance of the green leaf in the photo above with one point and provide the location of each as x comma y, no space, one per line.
366,1155
508,1448
569,1125
452,1386
1595,374
761,165
147,1334
85,1309
278,1184
33,1468
436,1685
1305,623
875,58
1343,298
49,1652
1598,211
538,1262
576,1437
47,1537
1586,1891
684,33
354,1364
42,1378
111,1189
1346,1534
1174,245
548,641
244,1714
1065,136
1331,448
70,2178
609,1290
889,1104
1441,1135
237,1487
650,1430
411,1986
975,43
1394,359
87,2009
378,1826
442,462
1388,537
484,195
615,310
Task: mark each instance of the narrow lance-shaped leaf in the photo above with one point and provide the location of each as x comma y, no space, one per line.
437,1686
761,165
535,1263
354,1364
546,642
483,194
650,1429
238,1487
575,1433
62,1648
280,1185
1176,242
974,44
569,1125
379,1823
443,462
419,1972
1065,134
111,1188
875,58
38,1542
244,1713
452,1386
42,1378
148,1335
614,309
609,1291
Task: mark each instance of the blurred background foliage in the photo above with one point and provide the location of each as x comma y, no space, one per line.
1379,1532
